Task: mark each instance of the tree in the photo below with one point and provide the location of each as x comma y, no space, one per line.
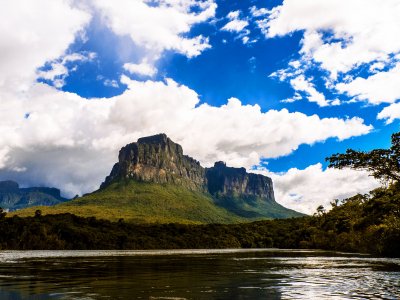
320,210
38,213
383,164
3,213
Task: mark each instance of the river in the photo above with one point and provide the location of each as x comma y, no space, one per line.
197,274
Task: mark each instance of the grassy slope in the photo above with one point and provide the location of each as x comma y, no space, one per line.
143,203
256,208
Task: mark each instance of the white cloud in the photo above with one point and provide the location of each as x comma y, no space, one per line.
259,12
233,15
87,134
382,87
375,67
238,26
59,71
340,36
158,27
33,33
300,83
111,83
363,31
235,25
390,113
143,69
296,97
304,190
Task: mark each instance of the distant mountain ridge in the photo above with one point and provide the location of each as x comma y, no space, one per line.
12,197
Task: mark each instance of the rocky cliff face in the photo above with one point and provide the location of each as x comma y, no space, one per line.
226,181
160,160
13,197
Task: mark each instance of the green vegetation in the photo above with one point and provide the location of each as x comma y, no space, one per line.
253,207
141,202
383,164
363,223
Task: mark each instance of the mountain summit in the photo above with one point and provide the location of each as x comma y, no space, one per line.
157,159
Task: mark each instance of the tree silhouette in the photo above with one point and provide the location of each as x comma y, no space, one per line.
383,164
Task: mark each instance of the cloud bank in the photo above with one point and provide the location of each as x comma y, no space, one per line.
353,41
304,190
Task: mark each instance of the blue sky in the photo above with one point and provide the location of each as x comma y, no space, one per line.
275,86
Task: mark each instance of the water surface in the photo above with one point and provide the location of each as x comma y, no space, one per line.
197,274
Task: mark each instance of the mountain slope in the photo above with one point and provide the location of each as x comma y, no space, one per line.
143,202
245,194
153,181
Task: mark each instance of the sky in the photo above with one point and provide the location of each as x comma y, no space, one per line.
273,86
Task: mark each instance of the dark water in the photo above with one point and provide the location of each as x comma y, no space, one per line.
227,274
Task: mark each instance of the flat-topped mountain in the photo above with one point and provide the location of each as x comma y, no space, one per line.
157,159
153,181
13,197
223,180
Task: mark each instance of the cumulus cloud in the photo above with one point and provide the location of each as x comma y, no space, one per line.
111,83
238,26
235,24
59,71
304,190
303,87
390,113
72,142
341,36
159,26
143,69
382,87
33,33
361,31
300,83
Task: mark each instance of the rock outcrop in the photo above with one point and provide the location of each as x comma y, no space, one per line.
157,159
227,181
13,197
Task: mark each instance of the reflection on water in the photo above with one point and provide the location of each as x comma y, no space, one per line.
196,274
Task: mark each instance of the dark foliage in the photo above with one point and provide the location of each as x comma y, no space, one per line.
383,164
363,223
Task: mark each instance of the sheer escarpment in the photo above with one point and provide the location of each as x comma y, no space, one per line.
157,159
226,181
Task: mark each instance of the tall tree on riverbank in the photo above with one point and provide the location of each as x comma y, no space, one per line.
383,164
